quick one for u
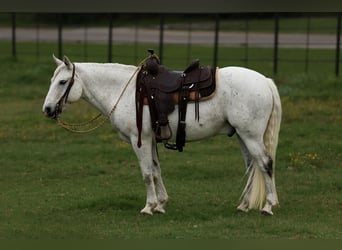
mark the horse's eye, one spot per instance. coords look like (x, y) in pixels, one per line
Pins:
(62, 82)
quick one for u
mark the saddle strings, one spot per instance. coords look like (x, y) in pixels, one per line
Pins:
(71, 126)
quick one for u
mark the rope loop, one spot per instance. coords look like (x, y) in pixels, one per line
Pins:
(71, 127)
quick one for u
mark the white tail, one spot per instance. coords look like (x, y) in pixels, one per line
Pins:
(256, 181)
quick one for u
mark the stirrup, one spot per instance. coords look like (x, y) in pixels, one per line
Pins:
(172, 146)
(159, 136)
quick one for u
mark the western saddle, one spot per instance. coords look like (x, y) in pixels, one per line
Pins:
(161, 89)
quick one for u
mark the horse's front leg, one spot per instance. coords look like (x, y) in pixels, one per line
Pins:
(158, 181)
(145, 158)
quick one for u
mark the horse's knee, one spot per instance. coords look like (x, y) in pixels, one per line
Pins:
(148, 179)
(255, 150)
(268, 166)
(265, 164)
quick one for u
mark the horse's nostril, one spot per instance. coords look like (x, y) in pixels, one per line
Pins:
(47, 111)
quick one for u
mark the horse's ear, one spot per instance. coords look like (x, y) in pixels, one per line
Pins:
(67, 62)
(57, 61)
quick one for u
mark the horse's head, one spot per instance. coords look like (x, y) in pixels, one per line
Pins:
(65, 88)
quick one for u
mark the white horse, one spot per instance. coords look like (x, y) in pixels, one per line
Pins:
(245, 102)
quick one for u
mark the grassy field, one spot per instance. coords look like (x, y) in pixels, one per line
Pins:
(65, 186)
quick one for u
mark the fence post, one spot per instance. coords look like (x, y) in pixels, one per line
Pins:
(110, 38)
(37, 40)
(338, 42)
(246, 40)
(85, 45)
(217, 30)
(188, 49)
(136, 36)
(307, 45)
(276, 42)
(161, 37)
(60, 27)
(14, 48)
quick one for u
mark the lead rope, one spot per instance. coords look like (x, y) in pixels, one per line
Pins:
(71, 126)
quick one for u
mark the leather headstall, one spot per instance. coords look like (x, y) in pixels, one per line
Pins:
(66, 93)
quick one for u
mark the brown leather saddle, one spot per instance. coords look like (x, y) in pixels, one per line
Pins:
(161, 89)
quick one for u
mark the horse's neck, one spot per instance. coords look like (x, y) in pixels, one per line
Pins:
(103, 83)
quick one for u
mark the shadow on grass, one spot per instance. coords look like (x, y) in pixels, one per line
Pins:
(104, 204)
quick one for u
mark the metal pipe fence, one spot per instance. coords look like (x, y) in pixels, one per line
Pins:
(278, 40)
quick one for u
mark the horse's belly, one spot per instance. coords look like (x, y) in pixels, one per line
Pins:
(201, 131)
(211, 122)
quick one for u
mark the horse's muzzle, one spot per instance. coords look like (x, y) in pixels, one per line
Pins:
(51, 112)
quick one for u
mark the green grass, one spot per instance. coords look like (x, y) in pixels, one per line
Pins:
(65, 186)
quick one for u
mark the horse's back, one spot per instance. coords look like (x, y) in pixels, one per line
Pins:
(243, 81)
(241, 75)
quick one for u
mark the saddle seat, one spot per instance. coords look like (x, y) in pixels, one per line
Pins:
(161, 89)
(169, 81)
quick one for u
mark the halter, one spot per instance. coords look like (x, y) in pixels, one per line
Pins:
(71, 83)
(66, 93)
(71, 127)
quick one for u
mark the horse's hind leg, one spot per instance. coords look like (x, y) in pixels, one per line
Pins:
(158, 181)
(264, 162)
(244, 205)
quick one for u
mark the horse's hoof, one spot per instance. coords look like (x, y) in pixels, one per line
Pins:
(242, 209)
(159, 210)
(266, 213)
(147, 211)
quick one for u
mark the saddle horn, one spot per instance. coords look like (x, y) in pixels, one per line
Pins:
(152, 63)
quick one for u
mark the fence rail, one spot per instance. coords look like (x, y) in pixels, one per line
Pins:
(307, 33)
